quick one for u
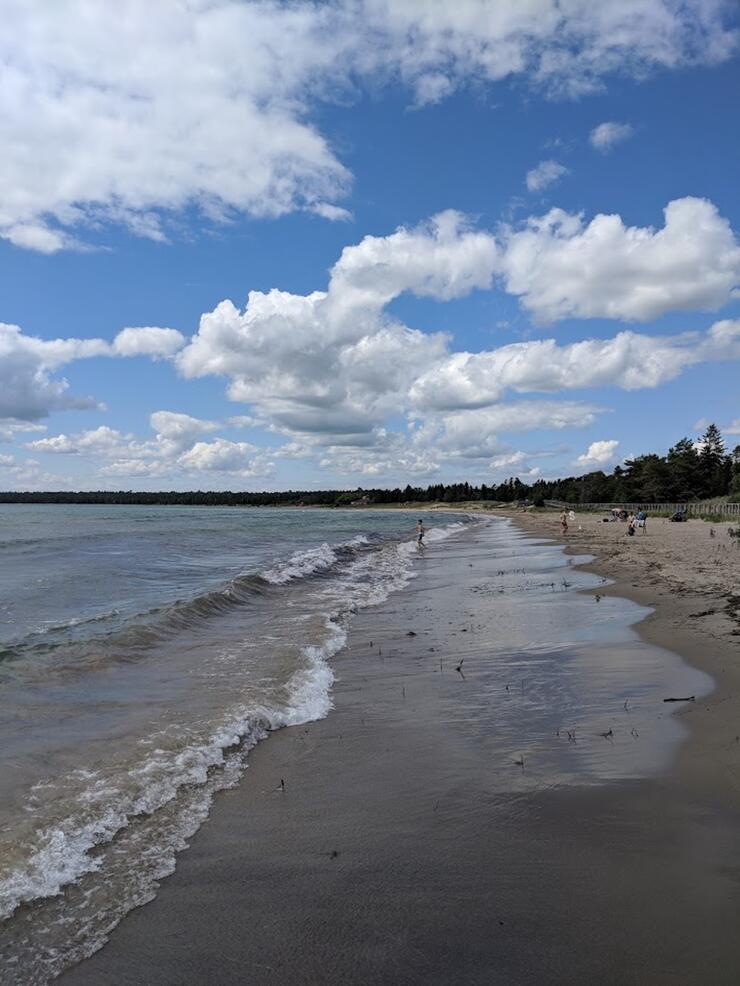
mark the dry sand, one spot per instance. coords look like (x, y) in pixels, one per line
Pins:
(393, 857)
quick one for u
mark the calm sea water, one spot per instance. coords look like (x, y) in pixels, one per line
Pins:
(143, 652)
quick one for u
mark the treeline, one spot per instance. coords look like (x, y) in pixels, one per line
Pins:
(686, 473)
(689, 471)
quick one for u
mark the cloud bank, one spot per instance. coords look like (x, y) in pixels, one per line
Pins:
(130, 113)
(177, 447)
(333, 376)
(29, 390)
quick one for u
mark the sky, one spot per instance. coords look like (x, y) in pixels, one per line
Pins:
(252, 245)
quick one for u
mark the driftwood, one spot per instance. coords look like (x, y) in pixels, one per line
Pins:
(689, 698)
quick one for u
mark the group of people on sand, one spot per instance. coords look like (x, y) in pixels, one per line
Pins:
(634, 520)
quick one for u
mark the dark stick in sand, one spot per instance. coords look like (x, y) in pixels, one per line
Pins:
(690, 698)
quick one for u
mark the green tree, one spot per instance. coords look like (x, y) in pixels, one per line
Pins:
(712, 462)
(684, 470)
(647, 478)
(734, 489)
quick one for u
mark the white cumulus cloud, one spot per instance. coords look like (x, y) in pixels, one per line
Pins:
(148, 341)
(179, 428)
(599, 454)
(96, 440)
(476, 434)
(134, 111)
(545, 174)
(333, 362)
(29, 388)
(628, 360)
(177, 449)
(609, 134)
(332, 368)
(560, 267)
(346, 383)
(220, 455)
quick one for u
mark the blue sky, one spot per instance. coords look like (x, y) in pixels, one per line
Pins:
(141, 198)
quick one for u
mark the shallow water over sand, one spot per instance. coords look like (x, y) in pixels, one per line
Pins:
(555, 685)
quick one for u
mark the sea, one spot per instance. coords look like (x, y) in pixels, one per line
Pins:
(144, 651)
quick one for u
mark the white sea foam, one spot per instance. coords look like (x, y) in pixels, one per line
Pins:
(373, 577)
(300, 564)
(104, 807)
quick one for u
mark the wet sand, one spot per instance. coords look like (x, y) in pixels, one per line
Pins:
(689, 574)
(407, 847)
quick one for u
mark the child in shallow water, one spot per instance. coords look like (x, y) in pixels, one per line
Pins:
(563, 522)
(420, 532)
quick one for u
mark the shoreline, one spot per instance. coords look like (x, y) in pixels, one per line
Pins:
(391, 856)
(693, 623)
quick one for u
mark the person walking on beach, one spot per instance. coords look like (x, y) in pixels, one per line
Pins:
(563, 522)
(420, 532)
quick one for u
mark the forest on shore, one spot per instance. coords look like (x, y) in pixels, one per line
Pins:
(689, 471)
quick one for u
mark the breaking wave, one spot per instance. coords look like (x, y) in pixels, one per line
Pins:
(123, 823)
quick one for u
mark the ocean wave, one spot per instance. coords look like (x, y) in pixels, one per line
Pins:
(70, 646)
(65, 851)
(364, 571)
(145, 629)
(300, 564)
(312, 560)
(76, 621)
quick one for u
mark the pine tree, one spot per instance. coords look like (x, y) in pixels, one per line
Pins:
(734, 489)
(712, 461)
(685, 470)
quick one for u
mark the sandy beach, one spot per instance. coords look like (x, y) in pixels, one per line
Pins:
(406, 848)
(690, 575)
